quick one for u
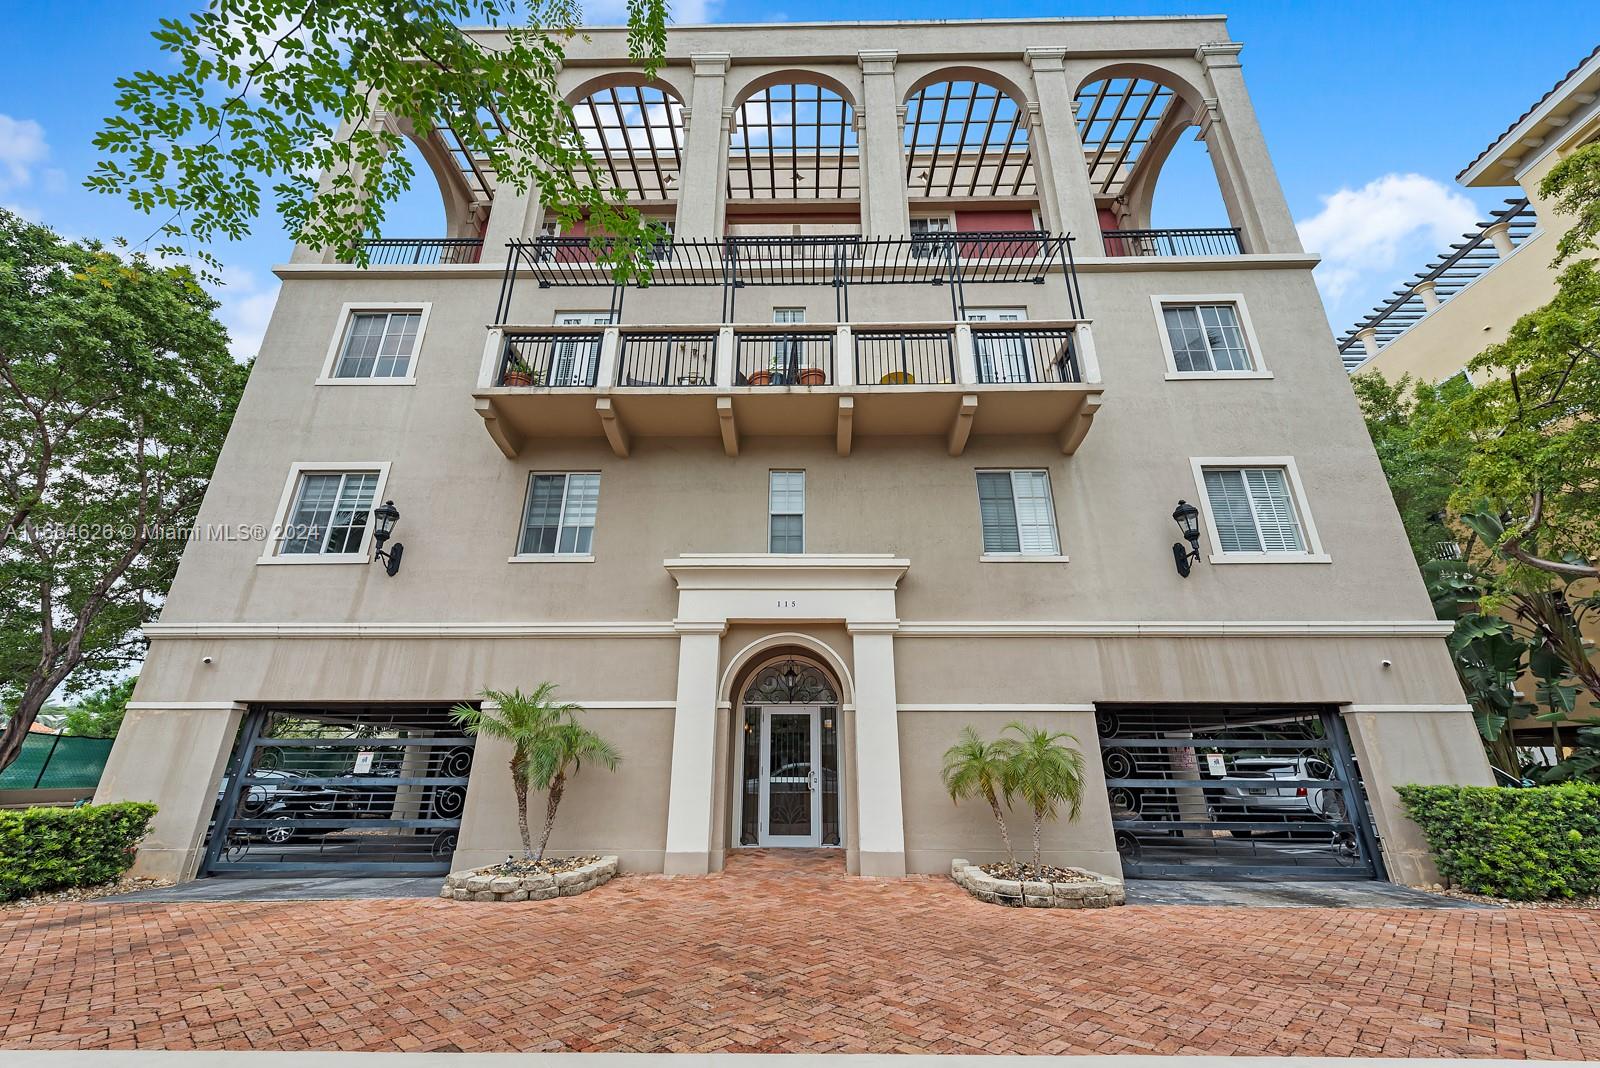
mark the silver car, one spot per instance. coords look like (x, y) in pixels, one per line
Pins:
(1251, 785)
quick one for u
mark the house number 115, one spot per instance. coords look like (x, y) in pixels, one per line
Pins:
(785, 604)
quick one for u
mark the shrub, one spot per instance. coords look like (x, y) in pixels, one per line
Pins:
(1527, 845)
(50, 848)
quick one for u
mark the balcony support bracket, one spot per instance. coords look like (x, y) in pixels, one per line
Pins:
(1077, 426)
(730, 429)
(611, 423)
(508, 439)
(961, 426)
(847, 416)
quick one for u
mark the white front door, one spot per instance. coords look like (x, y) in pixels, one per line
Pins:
(1000, 359)
(790, 794)
(577, 359)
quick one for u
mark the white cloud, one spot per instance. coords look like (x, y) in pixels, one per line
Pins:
(22, 145)
(246, 307)
(1373, 237)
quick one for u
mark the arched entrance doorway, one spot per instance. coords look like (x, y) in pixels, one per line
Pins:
(789, 766)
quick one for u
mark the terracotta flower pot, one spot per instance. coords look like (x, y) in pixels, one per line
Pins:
(760, 378)
(813, 376)
(517, 378)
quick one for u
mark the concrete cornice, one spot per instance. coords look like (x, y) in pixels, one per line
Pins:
(845, 571)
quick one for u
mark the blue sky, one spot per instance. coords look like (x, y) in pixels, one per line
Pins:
(1369, 109)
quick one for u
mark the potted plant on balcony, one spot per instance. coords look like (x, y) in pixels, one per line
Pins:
(548, 748)
(520, 374)
(813, 376)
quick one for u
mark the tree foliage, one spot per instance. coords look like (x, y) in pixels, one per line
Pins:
(116, 391)
(99, 714)
(289, 101)
(1421, 474)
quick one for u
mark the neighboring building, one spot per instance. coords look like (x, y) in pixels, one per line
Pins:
(878, 454)
(1468, 298)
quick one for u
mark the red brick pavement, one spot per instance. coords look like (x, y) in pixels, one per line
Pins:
(773, 957)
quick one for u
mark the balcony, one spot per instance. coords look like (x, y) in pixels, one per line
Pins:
(423, 251)
(1204, 241)
(949, 380)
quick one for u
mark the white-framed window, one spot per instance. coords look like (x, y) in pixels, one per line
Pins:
(1017, 514)
(786, 511)
(325, 513)
(1208, 337)
(1254, 509)
(558, 517)
(1000, 357)
(922, 225)
(376, 343)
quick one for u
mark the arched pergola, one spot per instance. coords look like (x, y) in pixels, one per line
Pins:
(633, 128)
(966, 135)
(794, 138)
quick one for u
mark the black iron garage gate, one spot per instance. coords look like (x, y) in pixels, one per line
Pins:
(1201, 791)
(357, 790)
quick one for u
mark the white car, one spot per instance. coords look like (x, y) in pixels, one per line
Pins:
(1251, 785)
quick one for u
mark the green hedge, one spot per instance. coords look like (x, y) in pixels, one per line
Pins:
(1524, 844)
(50, 848)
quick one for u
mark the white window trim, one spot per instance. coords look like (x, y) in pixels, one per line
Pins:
(348, 312)
(1161, 301)
(1019, 557)
(805, 499)
(280, 522)
(1313, 553)
(522, 523)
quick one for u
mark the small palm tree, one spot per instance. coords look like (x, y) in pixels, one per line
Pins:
(548, 747)
(1044, 773)
(976, 768)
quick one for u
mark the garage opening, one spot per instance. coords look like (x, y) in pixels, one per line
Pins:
(341, 791)
(1238, 792)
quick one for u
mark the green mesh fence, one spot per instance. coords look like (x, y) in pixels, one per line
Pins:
(57, 762)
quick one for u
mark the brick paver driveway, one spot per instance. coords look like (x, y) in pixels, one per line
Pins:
(763, 960)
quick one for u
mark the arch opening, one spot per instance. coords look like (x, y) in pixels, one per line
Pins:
(1141, 137)
(634, 131)
(794, 142)
(787, 715)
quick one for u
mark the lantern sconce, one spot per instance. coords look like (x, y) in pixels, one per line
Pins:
(1187, 516)
(384, 518)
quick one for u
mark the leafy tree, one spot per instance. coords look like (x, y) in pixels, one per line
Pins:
(116, 391)
(1421, 474)
(976, 768)
(1044, 773)
(99, 714)
(280, 92)
(548, 748)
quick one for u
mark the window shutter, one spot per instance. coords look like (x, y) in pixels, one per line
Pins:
(1036, 526)
(1230, 510)
(1269, 492)
(998, 512)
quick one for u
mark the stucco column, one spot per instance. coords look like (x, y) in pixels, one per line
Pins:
(1233, 136)
(700, 198)
(173, 755)
(1063, 172)
(882, 838)
(1369, 340)
(1429, 292)
(1499, 234)
(514, 217)
(694, 748)
(1426, 747)
(884, 211)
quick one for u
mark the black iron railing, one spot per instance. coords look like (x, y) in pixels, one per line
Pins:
(668, 359)
(905, 357)
(423, 251)
(1205, 241)
(550, 359)
(787, 359)
(1032, 354)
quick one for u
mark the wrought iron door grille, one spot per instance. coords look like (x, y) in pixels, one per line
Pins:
(1234, 792)
(363, 791)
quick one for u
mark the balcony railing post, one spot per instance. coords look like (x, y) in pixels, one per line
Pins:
(844, 356)
(610, 345)
(723, 372)
(1088, 360)
(489, 368)
(966, 356)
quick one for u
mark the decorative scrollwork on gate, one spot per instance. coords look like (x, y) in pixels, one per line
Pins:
(792, 682)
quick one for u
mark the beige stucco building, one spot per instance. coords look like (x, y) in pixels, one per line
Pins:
(877, 455)
(1469, 298)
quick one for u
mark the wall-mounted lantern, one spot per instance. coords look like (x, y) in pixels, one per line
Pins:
(384, 518)
(1187, 516)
